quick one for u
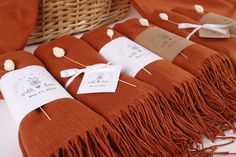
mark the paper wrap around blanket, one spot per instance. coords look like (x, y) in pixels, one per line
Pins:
(213, 69)
(162, 42)
(180, 88)
(74, 129)
(129, 54)
(140, 113)
(180, 15)
(29, 88)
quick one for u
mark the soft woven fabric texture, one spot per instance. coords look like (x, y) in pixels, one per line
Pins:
(17, 21)
(74, 129)
(233, 2)
(141, 114)
(223, 7)
(181, 89)
(183, 15)
(208, 65)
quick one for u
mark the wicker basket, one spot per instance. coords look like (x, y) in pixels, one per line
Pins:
(59, 17)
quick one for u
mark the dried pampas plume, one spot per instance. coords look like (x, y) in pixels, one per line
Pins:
(199, 8)
(110, 33)
(58, 52)
(144, 22)
(9, 65)
(164, 16)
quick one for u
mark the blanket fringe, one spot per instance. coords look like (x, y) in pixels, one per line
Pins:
(192, 94)
(150, 127)
(143, 129)
(188, 102)
(210, 114)
(211, 151)
(218, 72)
(148, 131)
(96, 143)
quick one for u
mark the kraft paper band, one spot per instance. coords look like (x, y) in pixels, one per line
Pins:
(162, 42)
(214, 18)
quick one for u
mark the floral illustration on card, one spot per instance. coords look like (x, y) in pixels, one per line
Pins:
(34, 81)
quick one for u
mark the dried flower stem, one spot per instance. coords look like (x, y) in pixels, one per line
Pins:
(147, 71)
(45, 113)
(74, 61)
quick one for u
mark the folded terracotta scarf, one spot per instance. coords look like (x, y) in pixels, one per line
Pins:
(141, 114)
(224, 45)
(74, 129)
(233, 2)
(183, 91)
(17, 20)
(223, 7)
(212, 67)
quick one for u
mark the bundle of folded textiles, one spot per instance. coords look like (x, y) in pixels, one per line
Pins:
(153, 86)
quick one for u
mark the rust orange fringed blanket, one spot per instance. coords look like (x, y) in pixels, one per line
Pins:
(137, 110)
(222, 45)
(223, 7)
(233, 2)
(74, 129)
(17, 21)
(213, 68)
(183, 91)
(151, 8)
(222, 78)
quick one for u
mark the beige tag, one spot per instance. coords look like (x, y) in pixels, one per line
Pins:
(162, 42)
(205, 33)
(212, 18)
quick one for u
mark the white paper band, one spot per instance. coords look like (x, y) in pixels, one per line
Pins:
(29, 88)
(130, 55)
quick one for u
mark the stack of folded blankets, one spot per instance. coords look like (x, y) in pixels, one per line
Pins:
(175, 86)
(209, 66)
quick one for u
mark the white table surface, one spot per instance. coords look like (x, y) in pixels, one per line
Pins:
(8, 131)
